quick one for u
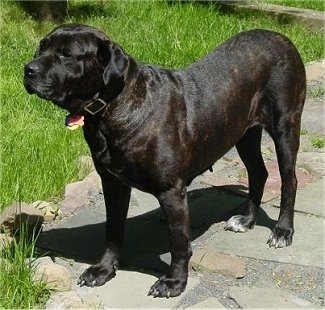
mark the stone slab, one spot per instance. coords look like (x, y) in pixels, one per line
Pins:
(273, 183)
(206, 259)
(146, 244)
(129, 289)
(307, 248)
(267, 297)
(146, 239)
(312, 162)
(144, 203)
(66, 300)
(311, 199)
(311, 18)
(208, 303)
(310, 116)
(315, 69)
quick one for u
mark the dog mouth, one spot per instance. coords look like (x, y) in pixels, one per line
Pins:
(48, 95)
(64, 99)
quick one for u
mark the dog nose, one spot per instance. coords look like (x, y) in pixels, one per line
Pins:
(31, 69)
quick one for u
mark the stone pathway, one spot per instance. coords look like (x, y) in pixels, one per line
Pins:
(228, 270)
(310, 18)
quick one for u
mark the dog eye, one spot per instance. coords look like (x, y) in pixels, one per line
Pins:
(64, 54)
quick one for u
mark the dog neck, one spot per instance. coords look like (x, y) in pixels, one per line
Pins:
(95, 106)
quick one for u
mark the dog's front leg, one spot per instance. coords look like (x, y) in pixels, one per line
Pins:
(174, 206)
(117, 197)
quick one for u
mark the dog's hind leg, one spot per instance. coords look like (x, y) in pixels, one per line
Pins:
(285, 95)
(286, 135)
(249, 150)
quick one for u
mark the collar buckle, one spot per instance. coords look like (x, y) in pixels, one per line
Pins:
(95, 106)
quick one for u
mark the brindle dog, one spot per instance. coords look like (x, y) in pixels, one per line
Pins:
(157, 129)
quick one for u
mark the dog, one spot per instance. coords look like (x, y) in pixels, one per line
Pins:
(156, 129)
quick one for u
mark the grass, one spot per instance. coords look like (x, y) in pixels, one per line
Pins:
(38, 153)
(317, 92)
(17, 289)
(318, 141)
(317, 5)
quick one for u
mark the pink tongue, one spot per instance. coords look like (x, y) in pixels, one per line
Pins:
(74, 121)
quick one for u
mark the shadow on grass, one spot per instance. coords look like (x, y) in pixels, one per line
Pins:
(89, 9)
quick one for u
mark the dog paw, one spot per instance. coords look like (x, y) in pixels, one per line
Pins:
(166, 287)
(280, 237)
(96, 275)
(240, 223)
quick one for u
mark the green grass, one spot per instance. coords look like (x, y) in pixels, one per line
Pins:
(38, 152)
(317, 92)
(302, 4)
(17, 289)
(318, 141)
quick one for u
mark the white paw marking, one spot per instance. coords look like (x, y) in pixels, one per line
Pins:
(235, 224)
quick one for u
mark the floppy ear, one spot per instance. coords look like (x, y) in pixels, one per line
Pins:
(114, 61)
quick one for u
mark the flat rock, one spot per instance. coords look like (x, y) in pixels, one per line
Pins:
(67, 300)
(5, 240)
(16, 215)
(310, 116)
(129, 289)
(273, 183)
(72, 204)
(82, 189)
(307, 248)
(57, 277)
(210, 260)
(146, 237)
(41, 261)
(312, 162)
(310, 199)
(208, 303)
(315, 69)
(94, 178)
(141, 203)
(311, 18)
(262, 297)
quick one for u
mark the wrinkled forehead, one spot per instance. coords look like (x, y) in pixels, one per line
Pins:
(77, 40)
(75, 43)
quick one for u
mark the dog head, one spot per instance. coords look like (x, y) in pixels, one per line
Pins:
(73, 64)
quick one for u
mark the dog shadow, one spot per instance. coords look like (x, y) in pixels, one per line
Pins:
(146, 236)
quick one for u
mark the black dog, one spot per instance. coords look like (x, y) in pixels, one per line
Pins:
(157, 129)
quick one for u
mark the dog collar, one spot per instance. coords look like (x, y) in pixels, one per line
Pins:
(95, 106)
(74, 121)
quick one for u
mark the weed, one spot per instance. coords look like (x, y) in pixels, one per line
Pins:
(197, 266)
(17, 288)
(317, 92)
(318, 141)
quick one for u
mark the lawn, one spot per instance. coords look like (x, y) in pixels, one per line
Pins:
(38, 153)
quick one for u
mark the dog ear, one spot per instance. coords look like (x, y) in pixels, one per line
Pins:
(114, 61)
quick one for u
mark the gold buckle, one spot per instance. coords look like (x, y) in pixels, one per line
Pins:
(94, 104)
